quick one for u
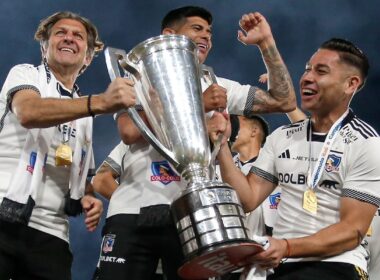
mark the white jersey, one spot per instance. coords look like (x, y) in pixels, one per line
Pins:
(48, 214)
(146, 179)
(239, 97)
(374, 247)
(352, 170)
(115, 158)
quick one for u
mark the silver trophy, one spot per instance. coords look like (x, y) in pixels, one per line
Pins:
(208, 214)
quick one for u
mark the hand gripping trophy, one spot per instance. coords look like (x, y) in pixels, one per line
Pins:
(208, 215)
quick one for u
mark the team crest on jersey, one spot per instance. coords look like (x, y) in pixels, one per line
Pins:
(274, 200)
(32, 162)
(108, 242)
(332, 163)
(163, 172)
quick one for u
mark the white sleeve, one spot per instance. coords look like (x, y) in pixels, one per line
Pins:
(115, 158)
(362, 175)
(265, 165)
(22, 76)
(239, 97)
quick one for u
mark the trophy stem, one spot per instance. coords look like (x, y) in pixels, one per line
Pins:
(195, 173)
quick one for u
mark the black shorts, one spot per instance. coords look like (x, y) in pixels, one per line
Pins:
(30, 254)
(318, 271)
(132, 246)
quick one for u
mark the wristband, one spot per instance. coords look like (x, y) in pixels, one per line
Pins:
(90, 112)
(287, 248)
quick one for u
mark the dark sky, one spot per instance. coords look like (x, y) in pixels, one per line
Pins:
(299, 27)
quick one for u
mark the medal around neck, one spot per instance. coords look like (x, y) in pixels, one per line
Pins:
(63, 155)
(310, 201)
(208, 214)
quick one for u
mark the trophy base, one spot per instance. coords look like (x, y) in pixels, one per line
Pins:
(219, 261)
(212, 229)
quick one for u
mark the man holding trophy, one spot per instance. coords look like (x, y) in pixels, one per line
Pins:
(139, 228)
(46, 149)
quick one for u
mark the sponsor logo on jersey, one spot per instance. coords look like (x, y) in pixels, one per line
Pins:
(108, 242)
(332, 163)
(112, 259)
(294, 128)
(329, 184)
(163, 173)
(274, 200)
(32, 162)
(285, 154)
(302, 158)
(348, 135)
(67, 131)
(298, 179)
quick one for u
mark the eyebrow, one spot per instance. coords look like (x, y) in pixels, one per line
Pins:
(319, 65)
(208, 29)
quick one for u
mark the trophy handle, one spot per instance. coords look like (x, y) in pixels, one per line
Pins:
(114, 59)
(208, 71)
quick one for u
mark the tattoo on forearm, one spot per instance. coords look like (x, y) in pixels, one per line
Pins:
(280, 83)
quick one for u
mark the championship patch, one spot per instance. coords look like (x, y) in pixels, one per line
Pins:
(108, 242)
(332, 163)
(163, 173)
(32, 162)
(274, 200)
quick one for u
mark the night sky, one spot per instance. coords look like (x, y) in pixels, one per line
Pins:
(299, 27)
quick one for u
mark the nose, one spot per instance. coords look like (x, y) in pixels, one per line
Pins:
(68, 37)
(307, 77)
(206, 35)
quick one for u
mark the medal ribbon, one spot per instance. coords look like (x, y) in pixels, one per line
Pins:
(318, 170)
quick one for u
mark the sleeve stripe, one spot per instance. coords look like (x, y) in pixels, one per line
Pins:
(263, 174)
(361, 196)
(250, 100)
(12, 91)
(114, 165)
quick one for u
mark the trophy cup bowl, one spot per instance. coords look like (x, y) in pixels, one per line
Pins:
(208, 215)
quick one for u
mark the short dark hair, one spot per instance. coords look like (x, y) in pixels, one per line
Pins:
(256, 119)
(261, 122)
(44, 30)
(179, 15)
(349, 53)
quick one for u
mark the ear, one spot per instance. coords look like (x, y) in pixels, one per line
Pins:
(353, 84)
(254, 131)
(88, 59)
(168, 31)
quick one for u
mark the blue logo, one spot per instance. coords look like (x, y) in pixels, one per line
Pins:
(163, 172)
(32, 162)
(274, 200)
(332, 163)
(81, 164)
(108, 242)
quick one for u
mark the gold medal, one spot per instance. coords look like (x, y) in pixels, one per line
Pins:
(310, 202)
(369, 232)
(63, 155)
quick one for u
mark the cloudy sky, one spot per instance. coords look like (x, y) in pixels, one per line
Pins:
(299, 26)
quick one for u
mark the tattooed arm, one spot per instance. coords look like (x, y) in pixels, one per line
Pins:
(280, 96)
